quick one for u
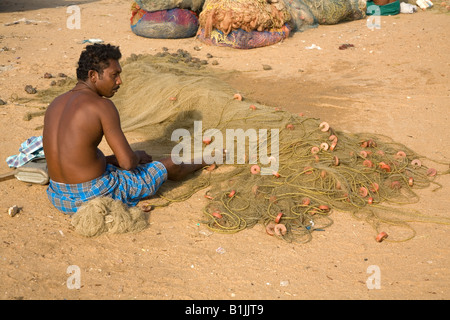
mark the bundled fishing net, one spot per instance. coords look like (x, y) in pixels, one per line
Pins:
(285, 171)
(156, 5)
(173, 23)
(302, 169)
(233, 22)
(105, 215)
(335, 11)
(301, 16)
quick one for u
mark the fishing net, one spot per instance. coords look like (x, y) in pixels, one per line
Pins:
(156, 5)
(301, 16)
(164, 24)
(105, 215)
(283, 170)
(294, 171)
(335, 11)
(219, 18)
(240, 39)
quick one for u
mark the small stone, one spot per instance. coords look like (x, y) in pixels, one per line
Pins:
(284, 283)
(215, 62)
(209, 55)
(48, 75)
(12, 211)
(2, 103)
(266, 67)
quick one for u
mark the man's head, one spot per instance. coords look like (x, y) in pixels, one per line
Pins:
(99, 65)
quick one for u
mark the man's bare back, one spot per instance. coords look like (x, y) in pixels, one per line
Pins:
(72, 134)
(75, 124)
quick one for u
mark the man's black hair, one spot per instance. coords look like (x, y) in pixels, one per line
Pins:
(96, 57)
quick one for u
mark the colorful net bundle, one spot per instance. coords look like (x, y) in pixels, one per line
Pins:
(173, 23)
(156, 5)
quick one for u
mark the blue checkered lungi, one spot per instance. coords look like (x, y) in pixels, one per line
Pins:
(127, 186)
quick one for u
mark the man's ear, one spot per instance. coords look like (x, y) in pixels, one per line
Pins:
(93, 76)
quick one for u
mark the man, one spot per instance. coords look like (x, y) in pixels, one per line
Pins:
(74, 126)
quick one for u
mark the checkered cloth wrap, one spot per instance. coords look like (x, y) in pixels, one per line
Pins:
(127, 186)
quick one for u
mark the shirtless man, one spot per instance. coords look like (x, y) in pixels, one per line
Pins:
(74, 126)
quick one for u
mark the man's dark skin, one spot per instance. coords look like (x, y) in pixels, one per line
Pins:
(75, 124)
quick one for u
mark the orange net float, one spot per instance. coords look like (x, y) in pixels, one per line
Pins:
(374, 187)
(207, 140)
(384, 166)
(324, 146)
(306, 201)
(255, 169)
(363, 192)
(367, 163)
(324, 126)
(400, 155)
(315, 150)
(381, 236)
(217, 215)
(280, 229)
(431, 172)
(232, 193)
(278, 218)
(270, 228)
(237, 96)
(416, 163)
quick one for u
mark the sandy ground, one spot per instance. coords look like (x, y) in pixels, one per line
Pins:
(395, 81)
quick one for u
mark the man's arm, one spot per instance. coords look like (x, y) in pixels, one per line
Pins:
(142, 156)
(123, 156)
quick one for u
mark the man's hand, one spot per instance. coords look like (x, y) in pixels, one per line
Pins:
(143, 157)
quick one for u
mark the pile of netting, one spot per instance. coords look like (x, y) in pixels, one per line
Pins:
(246, 24)
(336, 11)
(243, 24)
(288, 173)
(165, 19)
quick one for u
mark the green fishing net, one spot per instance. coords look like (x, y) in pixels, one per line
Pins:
(294, 171)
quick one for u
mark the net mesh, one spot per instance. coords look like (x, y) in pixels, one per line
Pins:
(316, 170)
(248, 15)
